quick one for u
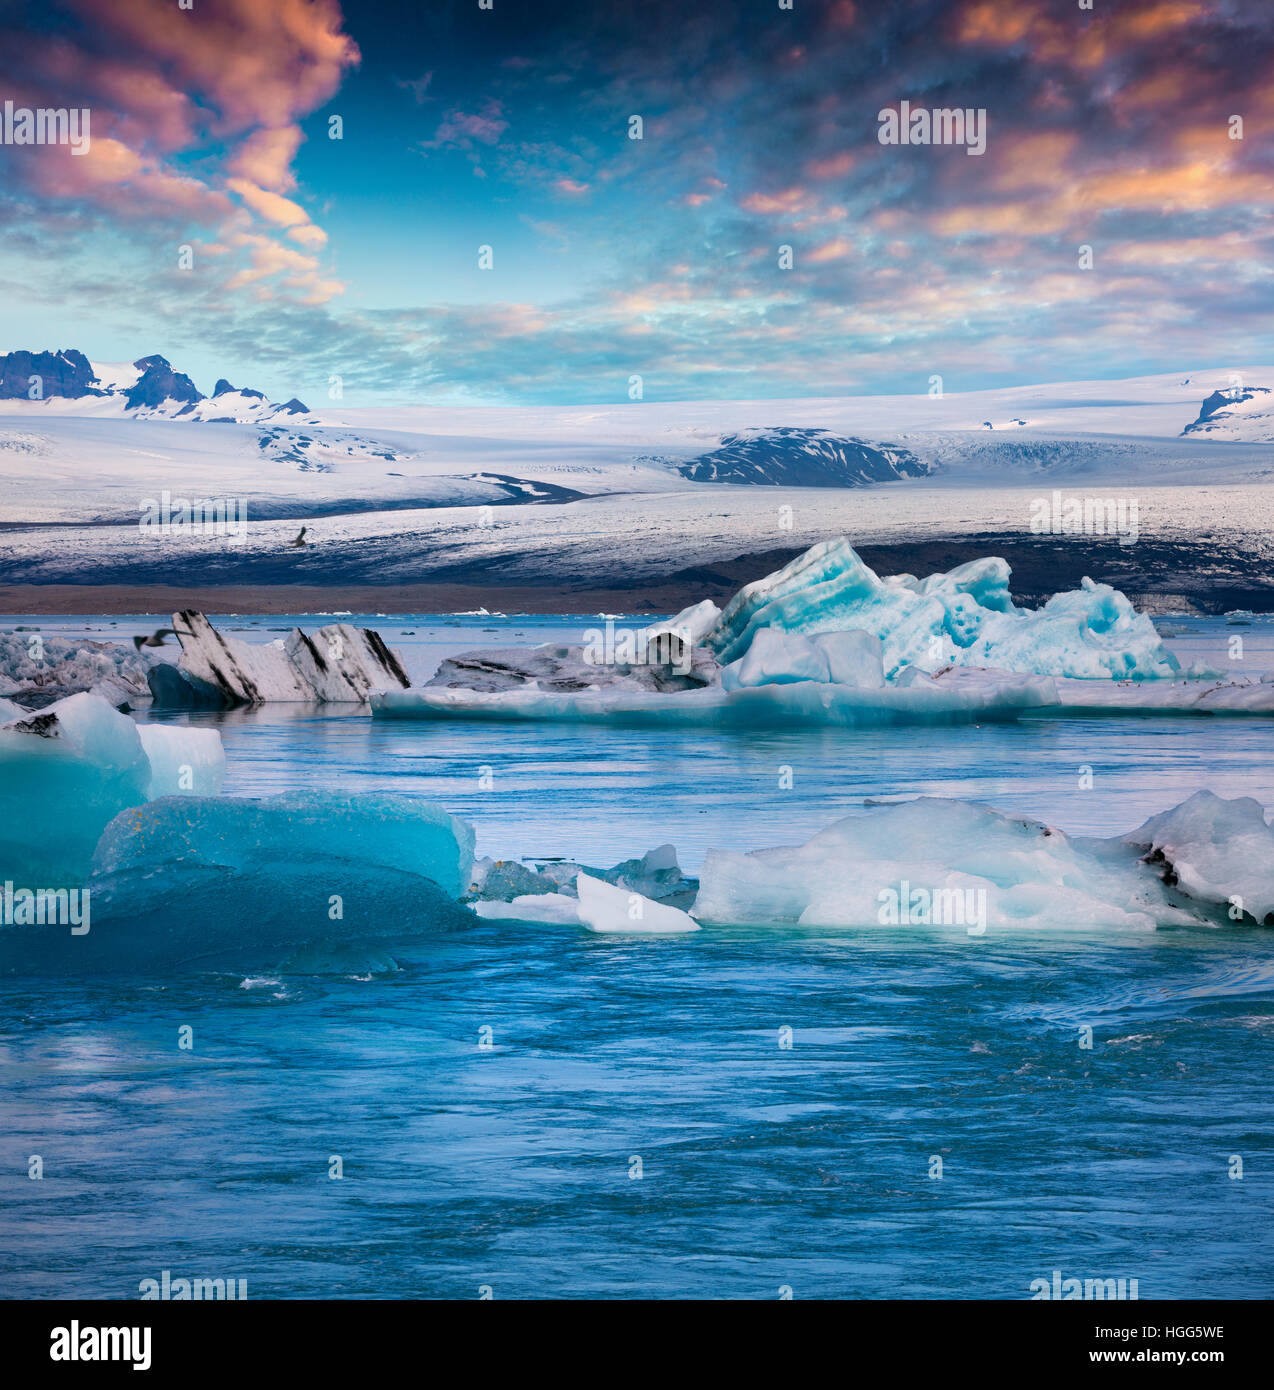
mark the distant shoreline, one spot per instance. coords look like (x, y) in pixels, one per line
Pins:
(1158, 577)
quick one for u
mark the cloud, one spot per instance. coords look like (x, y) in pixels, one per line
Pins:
(265, 158)
(463, 130)
(187, 109)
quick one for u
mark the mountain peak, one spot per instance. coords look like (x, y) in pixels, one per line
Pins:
(150, 387)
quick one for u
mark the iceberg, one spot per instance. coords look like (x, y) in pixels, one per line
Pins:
(182, 760)
(962, 617)
(200, 882)
(941, 863)
(656, 874)
(341, 663)
(68, 769)
(551, 909)
(599, 906)
(606, 908)
(1215, 851)
(1239, 695)
(854, 658)
(65, 771)
(37, 670)
(826, 641)
(562, 668)
(917, 699)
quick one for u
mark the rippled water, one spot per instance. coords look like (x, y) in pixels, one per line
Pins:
(762, 1165)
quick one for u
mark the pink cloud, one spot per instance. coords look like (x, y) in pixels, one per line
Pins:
(163, 83)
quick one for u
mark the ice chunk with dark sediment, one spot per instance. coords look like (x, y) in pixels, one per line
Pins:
(340, 663)
(655, 874)
(38, 669)
(597, 905)
(661, 663)
(1215, 851)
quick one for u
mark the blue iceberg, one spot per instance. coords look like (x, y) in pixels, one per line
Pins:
(202, 882)
(963, 617)
(67, 770)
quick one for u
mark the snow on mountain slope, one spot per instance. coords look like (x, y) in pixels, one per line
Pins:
(1243, 414)
(1151, 406)
(84, 469)
(88, 458)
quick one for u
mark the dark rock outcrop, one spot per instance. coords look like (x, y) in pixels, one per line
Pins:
(66, 372)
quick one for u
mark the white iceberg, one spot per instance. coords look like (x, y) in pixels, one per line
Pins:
(1215, 851)
(552, 909)
(947, 864)
(963, 617)
(606, 908)
(183, 761)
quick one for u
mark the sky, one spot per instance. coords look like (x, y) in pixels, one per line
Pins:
(312, 258)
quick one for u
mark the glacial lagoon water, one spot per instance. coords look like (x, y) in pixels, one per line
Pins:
(540, 1112)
